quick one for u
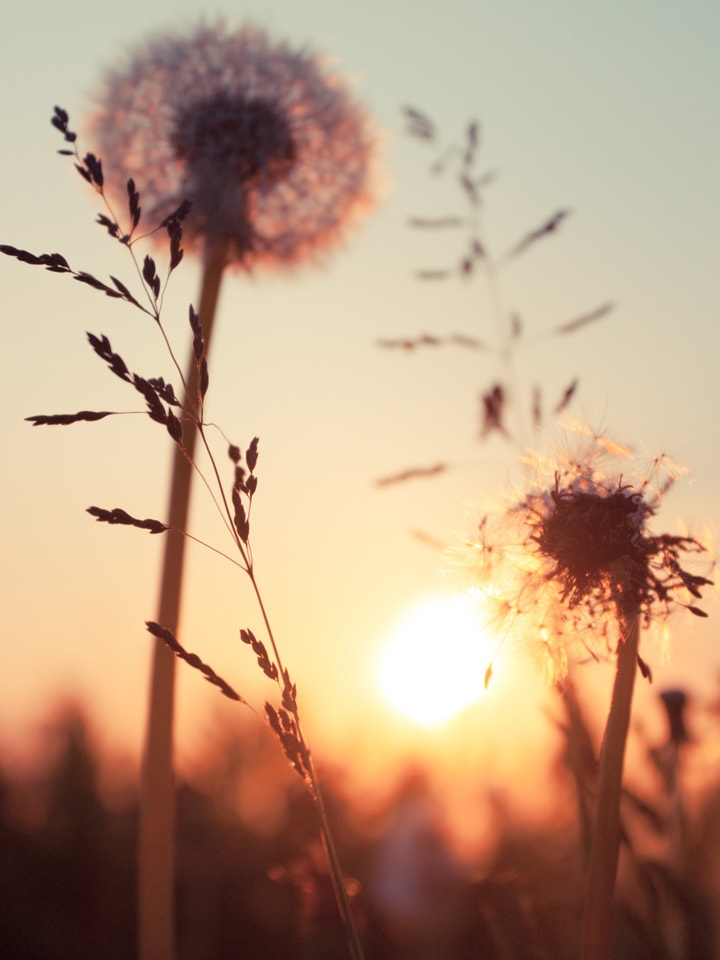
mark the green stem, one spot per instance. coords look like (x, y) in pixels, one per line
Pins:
(156, 853)
(605, 846)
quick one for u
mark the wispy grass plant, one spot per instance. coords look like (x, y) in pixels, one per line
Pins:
(501, 332)
(258, 156)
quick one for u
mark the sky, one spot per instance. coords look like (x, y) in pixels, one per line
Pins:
(608, 111)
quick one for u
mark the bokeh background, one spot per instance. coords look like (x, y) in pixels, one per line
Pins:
(607, 110)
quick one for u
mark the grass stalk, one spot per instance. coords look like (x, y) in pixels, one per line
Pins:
(340, 889)
(342, 898)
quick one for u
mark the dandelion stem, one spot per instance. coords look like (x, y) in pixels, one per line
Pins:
(156, 860)
(605, 844)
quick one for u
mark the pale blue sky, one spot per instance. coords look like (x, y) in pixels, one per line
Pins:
(611, 110)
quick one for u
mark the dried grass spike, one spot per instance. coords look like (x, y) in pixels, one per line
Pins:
(64, 419)
(194, 660)
(119, 516)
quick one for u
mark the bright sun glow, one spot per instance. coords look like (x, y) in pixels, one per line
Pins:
(434, 662)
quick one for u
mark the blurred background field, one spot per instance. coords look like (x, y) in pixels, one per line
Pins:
(251, 880)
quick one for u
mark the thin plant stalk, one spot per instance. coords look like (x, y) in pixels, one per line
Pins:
(341, 894)
(333, 860)
(605, 845)
(157, 802)
(156, 854)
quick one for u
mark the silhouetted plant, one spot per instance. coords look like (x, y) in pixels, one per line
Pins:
(236, 236)
(274, 155)
(574, 566)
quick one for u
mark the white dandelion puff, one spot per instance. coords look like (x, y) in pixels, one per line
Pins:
(270, 147)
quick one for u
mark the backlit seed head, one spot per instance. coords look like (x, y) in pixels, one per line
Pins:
(269, 146)
(573, 558)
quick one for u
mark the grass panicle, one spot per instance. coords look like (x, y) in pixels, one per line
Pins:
(498, 412)
(184, 421)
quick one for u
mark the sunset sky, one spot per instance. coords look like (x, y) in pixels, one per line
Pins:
(609, 111)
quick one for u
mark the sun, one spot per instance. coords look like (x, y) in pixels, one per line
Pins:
(434, 661)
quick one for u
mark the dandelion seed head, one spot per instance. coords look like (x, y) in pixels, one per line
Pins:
(275, 155)
(572, 557)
